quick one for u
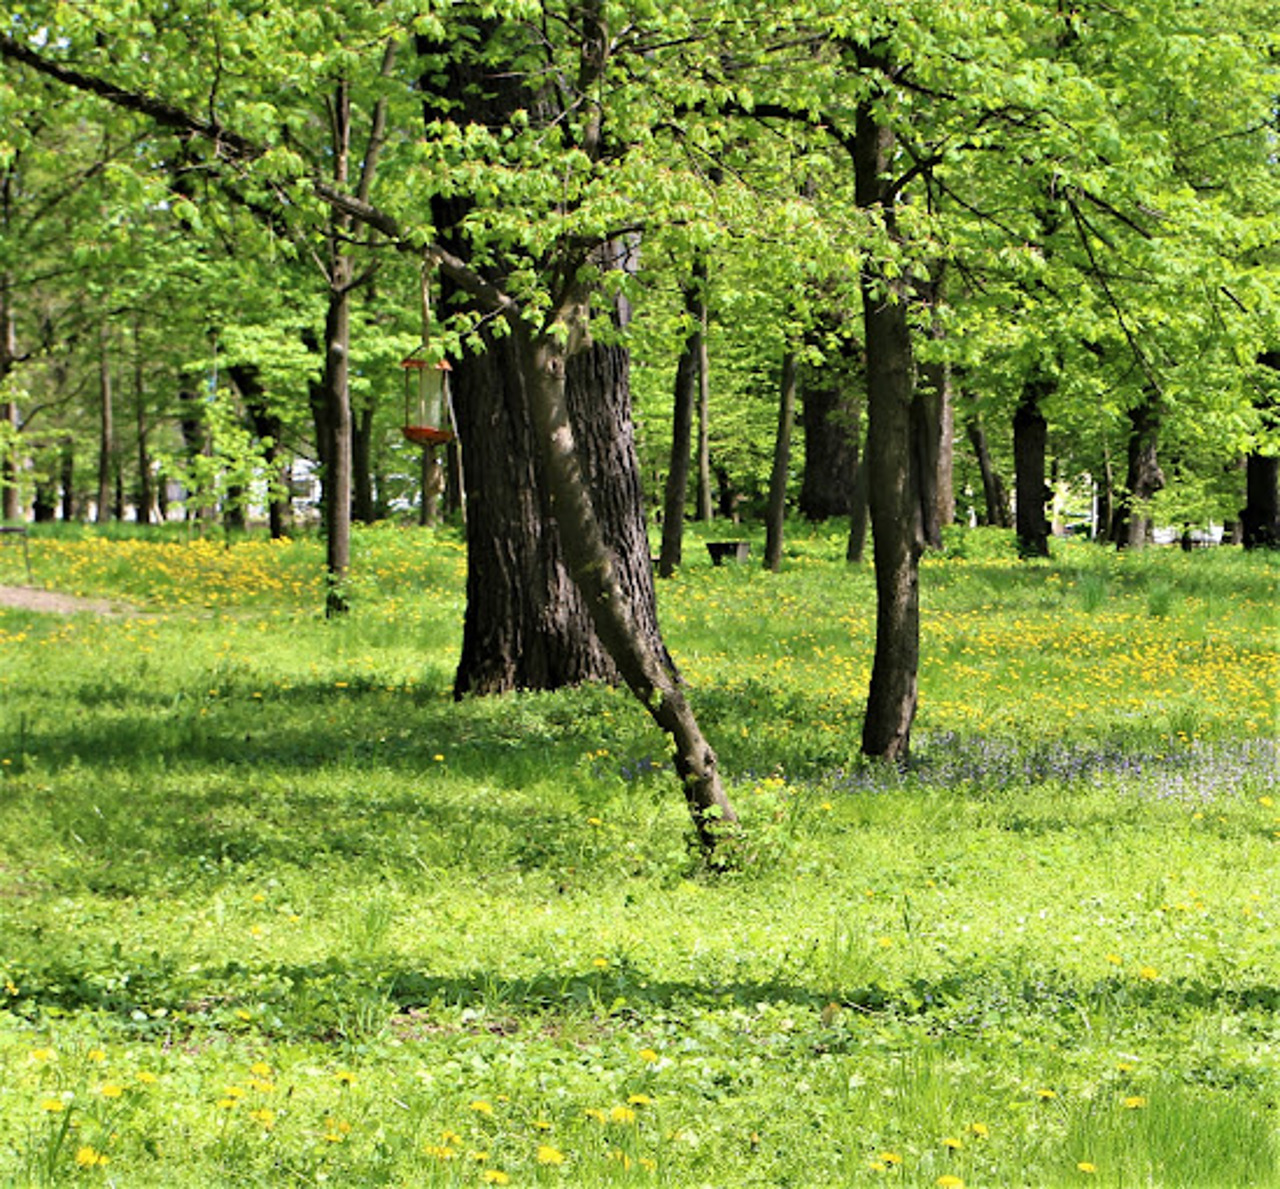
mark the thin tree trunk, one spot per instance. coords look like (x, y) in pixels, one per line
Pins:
(67, 474)
(994, 499)
(857, 543)
(893, 483)
(146, 496)
(648, 671)
(361, 466)
(703, 501)
(682, 408)
(775, 517)
(106, 431)
(11, 506)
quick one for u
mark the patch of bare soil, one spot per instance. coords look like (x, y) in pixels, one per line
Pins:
(52, 602)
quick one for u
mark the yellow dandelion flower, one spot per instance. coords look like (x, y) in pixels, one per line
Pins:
(1124, 1066)
(549, 1155)
(947, 1181)
(952, 1143)
(345, 1077)
(481, 1107)
(264, 1115)
(111, 1090)
(1150, 973)
(639, 1100)
(981, 1130)
(96, 1055)
(595, 821)
(1115, 959)
(42, 1055)
(891, 1158)
(53, 1106)
(594, 1112)
(146, 1077)
(478, 1157)
(261, 1085)
(450, 1137)
(495, 1176)
(1046, 1095)
(648, 1056)
(87, 1157)
(260, 1069)
(600, 963)
(877, 1166)
(622, 1114)
(1085, 1166)
(541, 1125)
(1134, 1102)
(648, 1164)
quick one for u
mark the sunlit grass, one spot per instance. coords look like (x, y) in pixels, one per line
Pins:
(275, 909)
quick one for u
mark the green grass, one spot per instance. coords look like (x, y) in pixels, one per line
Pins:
(274, 910)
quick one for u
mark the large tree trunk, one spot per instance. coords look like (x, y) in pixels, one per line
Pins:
(893, 483)
(775, 516)
(337, 472)
(683, 402)
(525, 625)
(1030, 443)
(1132, 528)
(619, 620)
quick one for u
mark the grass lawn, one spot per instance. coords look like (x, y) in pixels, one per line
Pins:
(274, 910)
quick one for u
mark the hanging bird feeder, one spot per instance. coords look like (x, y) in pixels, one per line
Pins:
(426, 384)
(426, 401)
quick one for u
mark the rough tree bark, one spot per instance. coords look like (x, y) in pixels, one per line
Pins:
(893, 485)
(775, 515)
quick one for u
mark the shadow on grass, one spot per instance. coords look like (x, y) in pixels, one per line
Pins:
(350, 1000)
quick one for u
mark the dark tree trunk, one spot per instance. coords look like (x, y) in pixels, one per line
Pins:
(526, 626)
(775, 516)
(1260, 517)
(337, 471)
(268, 428)
(10, 505)
(146, 495)
(1259, 524)
(684, 400)
(44, 508)
(68, 480)
(362, 510)
(829, 417)
(702, 499)
(106, 431)
(1030, 442)
(1132, 528)
(994, 498)
(856, 546)
(935, 424)
(893, 482)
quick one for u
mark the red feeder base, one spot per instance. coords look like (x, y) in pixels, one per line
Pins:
(426, 435)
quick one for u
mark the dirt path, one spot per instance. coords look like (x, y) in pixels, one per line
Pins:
(31, 598)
